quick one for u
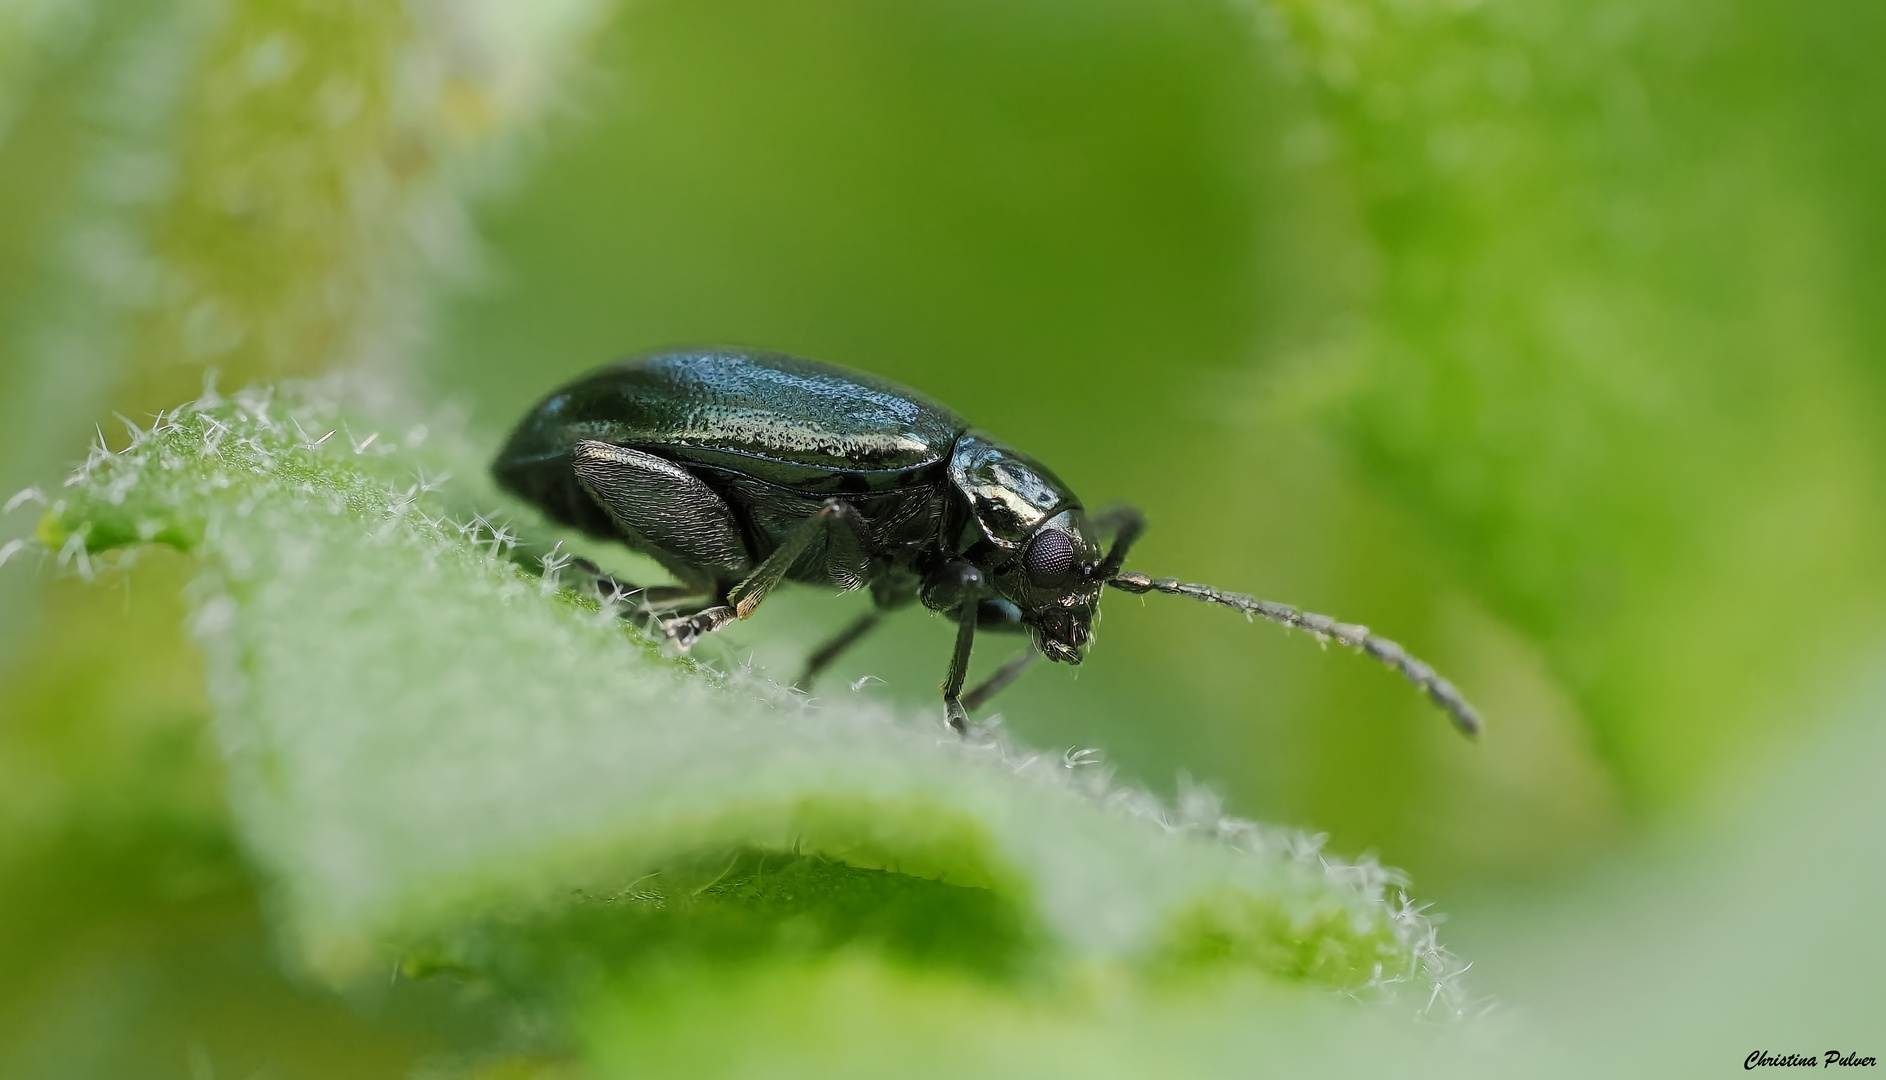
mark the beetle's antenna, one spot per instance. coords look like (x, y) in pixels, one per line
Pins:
(1438, 689)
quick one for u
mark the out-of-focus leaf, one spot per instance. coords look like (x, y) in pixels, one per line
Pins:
(1600, 351)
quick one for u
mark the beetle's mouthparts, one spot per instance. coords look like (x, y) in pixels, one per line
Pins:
(1060, 652)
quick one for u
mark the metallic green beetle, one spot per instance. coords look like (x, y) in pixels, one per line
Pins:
(738, 470)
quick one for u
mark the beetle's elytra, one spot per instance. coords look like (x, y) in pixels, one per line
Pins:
(737, 470)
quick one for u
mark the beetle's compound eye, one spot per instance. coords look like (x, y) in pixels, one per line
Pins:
(1050, 559)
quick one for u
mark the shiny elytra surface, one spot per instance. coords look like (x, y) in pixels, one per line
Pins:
(790, 419)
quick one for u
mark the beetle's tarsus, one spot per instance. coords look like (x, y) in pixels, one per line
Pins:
(956, 716)
(1438, 689)
(686, 631)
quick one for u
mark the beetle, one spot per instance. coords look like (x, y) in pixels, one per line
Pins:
(737, 470)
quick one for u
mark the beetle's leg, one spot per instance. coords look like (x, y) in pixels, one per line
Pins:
(744, 598)
(957, 580)
(1114, 517)
(953, 711)
(664, 510)
(836, 513)
(661, 605)
(1126, 524)
(999, 681)
(689, 629)
(822, 658)
(641, 603)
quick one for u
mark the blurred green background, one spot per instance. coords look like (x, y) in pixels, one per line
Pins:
(1534, 335)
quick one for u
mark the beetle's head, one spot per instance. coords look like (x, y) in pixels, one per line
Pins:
(1027, 531)
(1051, 581)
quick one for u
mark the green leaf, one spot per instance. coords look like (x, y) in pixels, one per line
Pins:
(438, 756)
